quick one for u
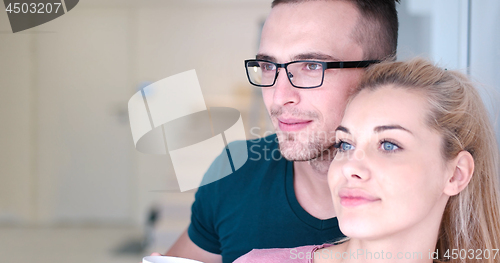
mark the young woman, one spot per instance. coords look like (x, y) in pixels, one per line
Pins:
(416, 175)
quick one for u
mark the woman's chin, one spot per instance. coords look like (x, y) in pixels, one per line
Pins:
(360, 229)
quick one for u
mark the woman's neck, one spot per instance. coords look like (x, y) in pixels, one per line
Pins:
(389, 250)
(415, 245)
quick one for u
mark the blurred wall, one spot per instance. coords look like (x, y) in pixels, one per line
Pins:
(456, 34)
(17, 182)
(66, 151)
(437, 30)
(485, 54)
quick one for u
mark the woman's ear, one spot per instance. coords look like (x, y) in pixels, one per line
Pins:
(463, 168)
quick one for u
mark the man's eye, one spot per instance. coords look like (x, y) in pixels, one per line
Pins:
(313, 66)
(268, 67)
(389, 146)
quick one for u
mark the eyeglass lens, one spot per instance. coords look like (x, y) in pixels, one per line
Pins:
(300, 74)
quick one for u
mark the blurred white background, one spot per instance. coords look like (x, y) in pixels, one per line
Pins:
(72, 185)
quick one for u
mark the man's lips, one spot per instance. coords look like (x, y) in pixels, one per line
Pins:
(355, 197)
(292, 124)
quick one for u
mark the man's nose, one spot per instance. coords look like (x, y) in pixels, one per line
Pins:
(284, 92)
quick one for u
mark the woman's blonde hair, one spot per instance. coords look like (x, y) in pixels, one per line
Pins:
(471, 218)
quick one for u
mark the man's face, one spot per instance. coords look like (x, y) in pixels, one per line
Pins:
(305, 119)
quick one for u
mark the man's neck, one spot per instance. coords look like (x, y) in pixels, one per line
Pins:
(311, 188)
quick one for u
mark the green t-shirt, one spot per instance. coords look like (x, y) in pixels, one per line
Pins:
(255, 207)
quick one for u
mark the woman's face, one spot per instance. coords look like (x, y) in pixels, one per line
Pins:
(388, 176)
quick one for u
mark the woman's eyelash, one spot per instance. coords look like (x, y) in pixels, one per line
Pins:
(339, 145)
(386, 145)
(391, 143)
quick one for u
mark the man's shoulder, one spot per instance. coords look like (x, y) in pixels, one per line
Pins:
(263, 162)
(263, 154)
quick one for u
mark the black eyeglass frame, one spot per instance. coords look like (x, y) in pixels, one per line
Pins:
(325, 66)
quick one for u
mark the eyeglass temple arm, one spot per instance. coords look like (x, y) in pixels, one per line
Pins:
(351, 64)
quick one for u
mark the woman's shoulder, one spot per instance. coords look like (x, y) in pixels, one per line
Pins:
(295, 255)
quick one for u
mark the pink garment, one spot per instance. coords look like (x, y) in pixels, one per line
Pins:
(303, 254)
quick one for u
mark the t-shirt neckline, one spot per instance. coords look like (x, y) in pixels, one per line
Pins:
(297, 209)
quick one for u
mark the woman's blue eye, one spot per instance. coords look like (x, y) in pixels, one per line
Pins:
(388, 146)
(344, 146)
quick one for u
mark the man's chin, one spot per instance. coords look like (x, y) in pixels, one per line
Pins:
(295, 151)
(300, 152)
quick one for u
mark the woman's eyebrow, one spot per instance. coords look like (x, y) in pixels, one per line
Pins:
(342, 128)
(390, 127)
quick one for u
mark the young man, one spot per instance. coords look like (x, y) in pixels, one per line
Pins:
(285, 202)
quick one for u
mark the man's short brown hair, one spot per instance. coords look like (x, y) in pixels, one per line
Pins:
(376, 30)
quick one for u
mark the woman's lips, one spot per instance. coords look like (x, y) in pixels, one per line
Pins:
(290, 125)
(355, 197)
(354, 201)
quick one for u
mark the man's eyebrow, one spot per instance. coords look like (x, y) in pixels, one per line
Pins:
(342, 128)
(390, 127)
(314, 56)
(303, 56)
(265, 57)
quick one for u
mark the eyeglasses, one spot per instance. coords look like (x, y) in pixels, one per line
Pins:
(303, 74)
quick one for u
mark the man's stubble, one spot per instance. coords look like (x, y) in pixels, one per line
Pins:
(309, 145)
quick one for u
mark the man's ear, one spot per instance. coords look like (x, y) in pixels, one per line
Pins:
(462, 168)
